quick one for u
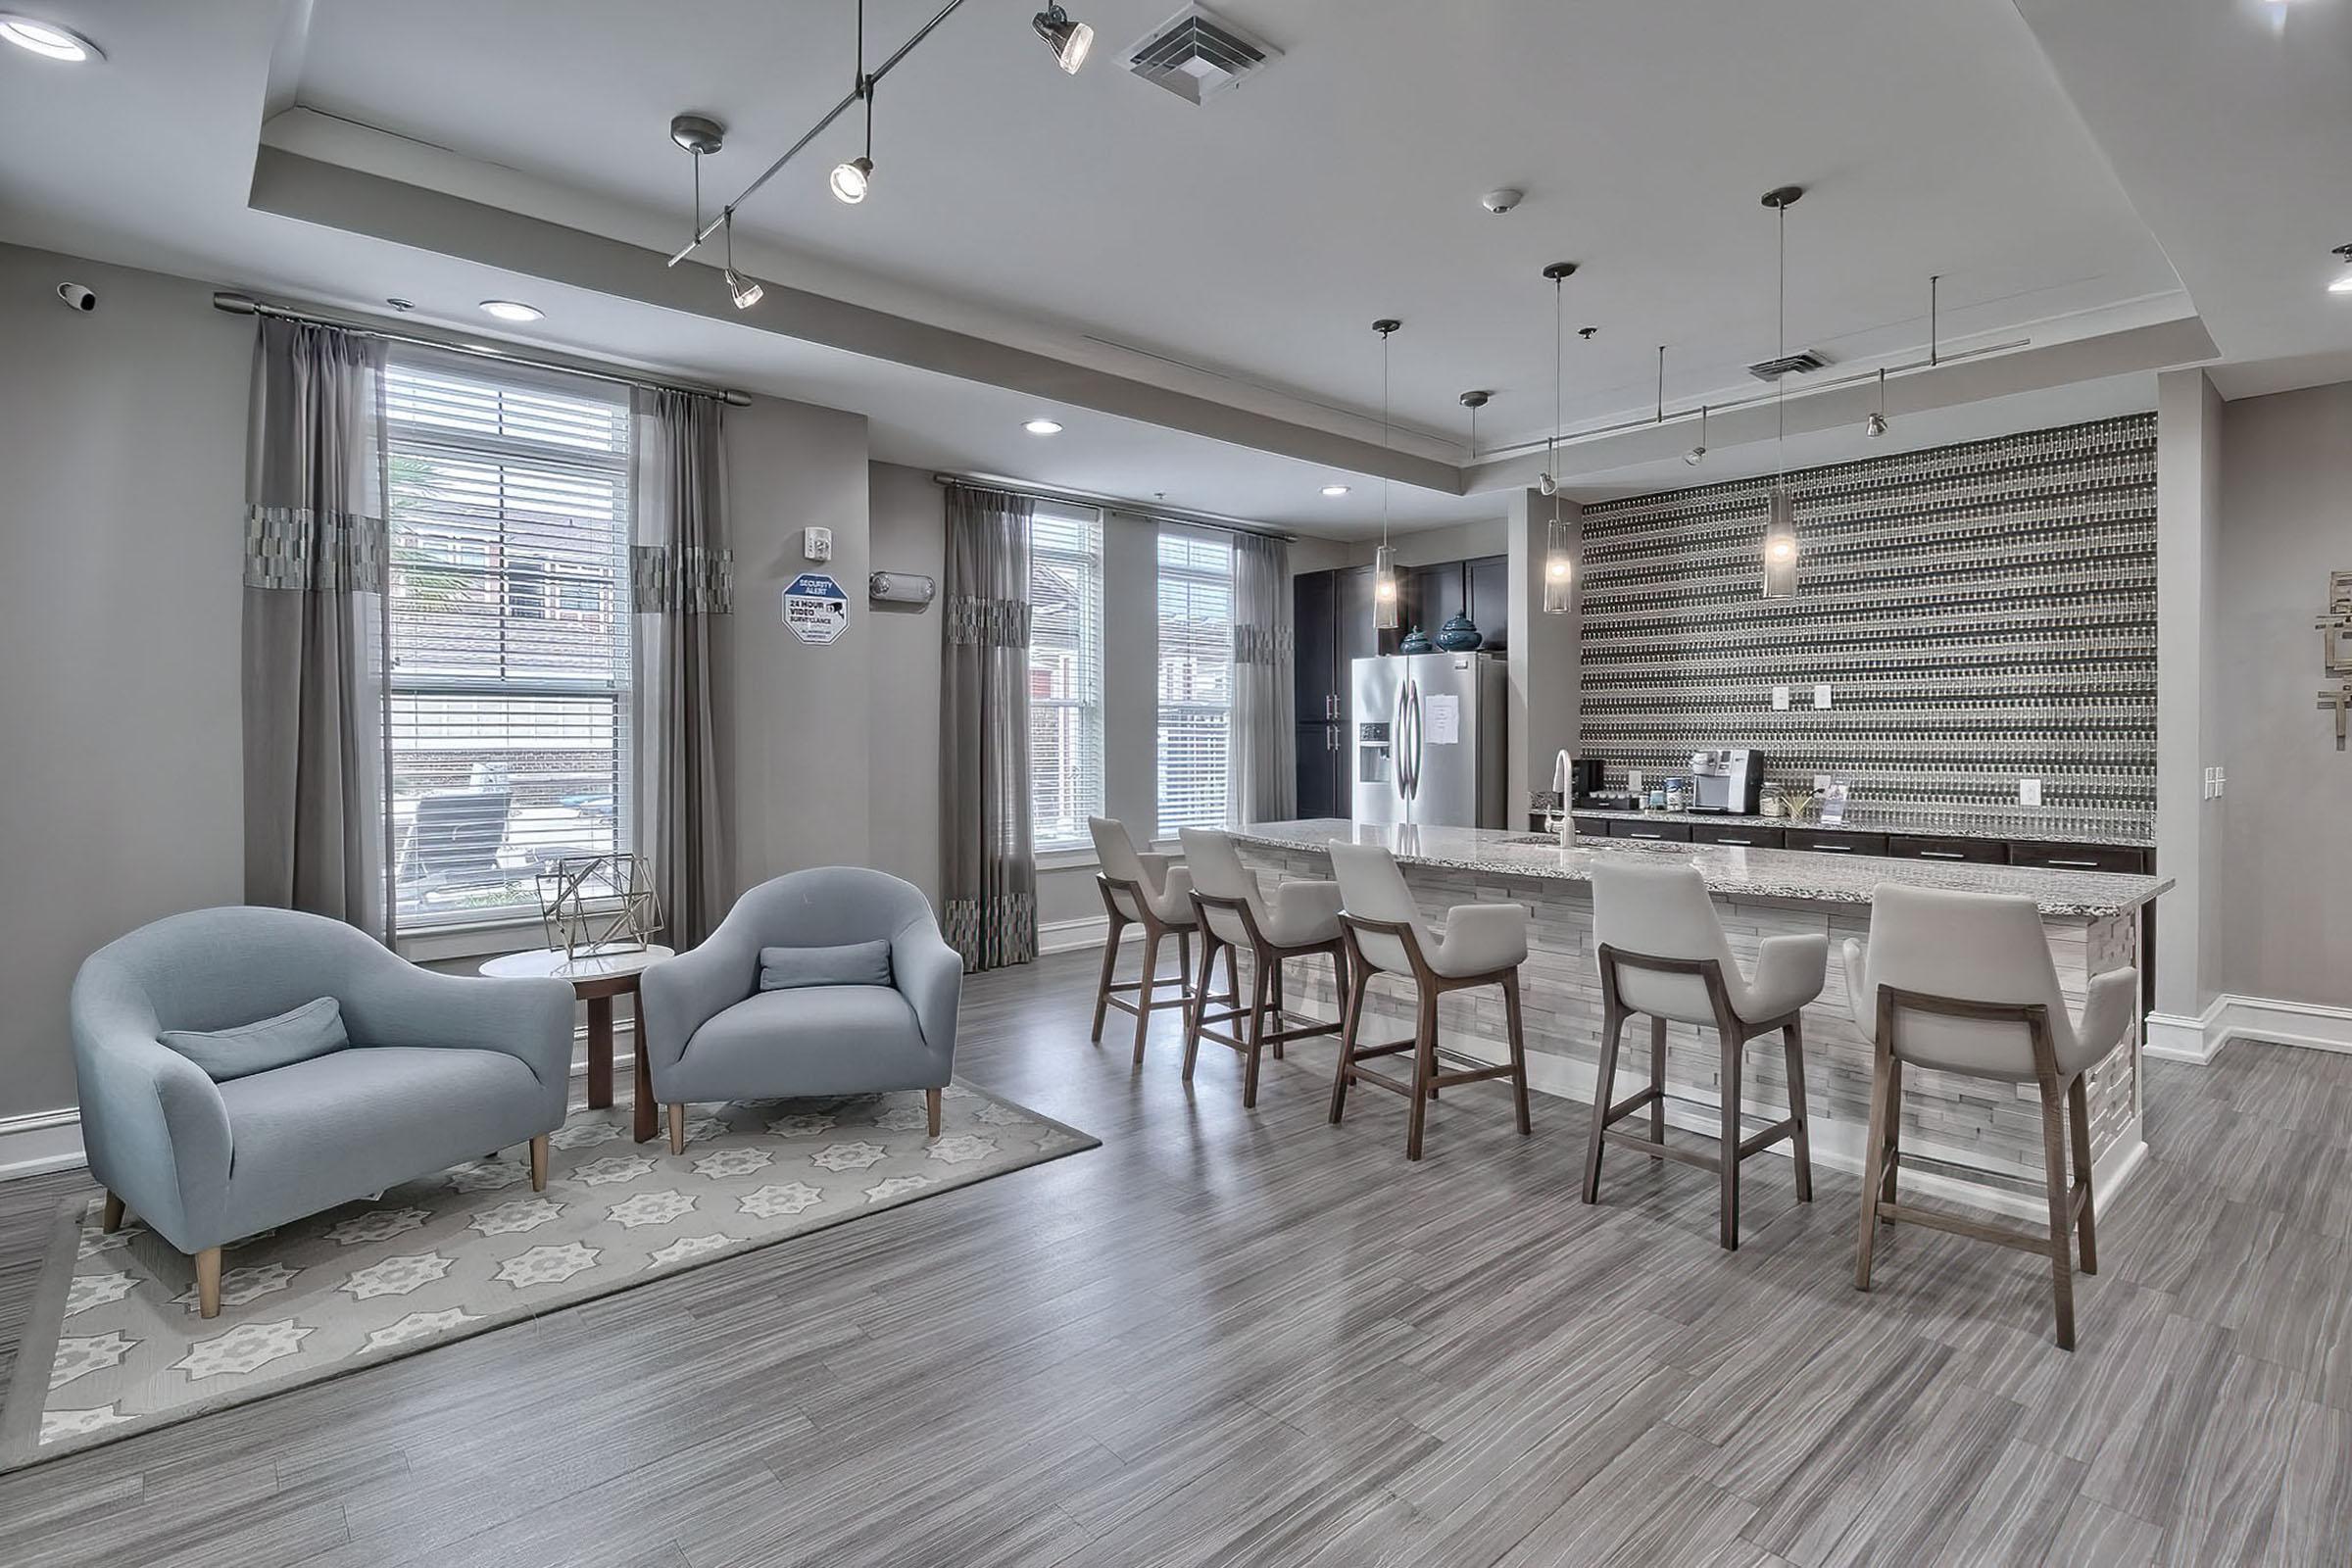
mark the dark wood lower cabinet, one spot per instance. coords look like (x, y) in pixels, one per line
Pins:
(1980, 852)
(1323, 784)
(1833, 840)
(2132, 858)
(1739, 833)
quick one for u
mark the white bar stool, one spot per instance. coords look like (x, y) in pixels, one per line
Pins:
(1153, 891)
(1964, 983)
(1302, 922)
(1663, 952)
(1480, 944)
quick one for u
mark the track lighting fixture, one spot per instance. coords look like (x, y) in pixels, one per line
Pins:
(1069, 40)
(1698, 453)
(1780, 521)
(740, 289)
(1876, 425)
(852, 176)
(2343, 280)
(1384, 587)
(1475, 401)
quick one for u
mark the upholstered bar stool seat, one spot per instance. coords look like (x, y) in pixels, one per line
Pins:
(1964, 983)
(1663, 952)
(1478, 945)
(1301, 921)
(1153, 891)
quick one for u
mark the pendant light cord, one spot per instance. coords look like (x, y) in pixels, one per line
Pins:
(1384, 437)
(1780, 384)
(1553, 455)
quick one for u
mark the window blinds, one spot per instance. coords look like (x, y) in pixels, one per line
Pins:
(1195, 676)
(509, 631)
(1065, 673)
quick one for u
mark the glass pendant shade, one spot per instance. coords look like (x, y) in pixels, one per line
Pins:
(1384, 589)
(1559, 567)
(1779, 544)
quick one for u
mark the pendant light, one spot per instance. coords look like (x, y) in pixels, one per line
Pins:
(849, 179)
(1780, 522)
(1384, 587)
(1560, 555)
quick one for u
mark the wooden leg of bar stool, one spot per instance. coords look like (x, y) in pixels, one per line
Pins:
(1263, 969)
(1142, 989)
(1657, 1080)
(1729, 1231)
(1604, 1089)
(1199, 1002)
(1275, 966)
(2078, 1110)
(1351, 1014)
(1882, 1106)
(1184, 959)
(1792, 1047)
(1518, 1039)
(1111, 960)
(2062, 1262)
(1894, 1135)
(1425, 1066)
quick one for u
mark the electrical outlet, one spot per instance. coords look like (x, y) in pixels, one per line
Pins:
(1779, 699)
(1821, 697)
(2029, 792)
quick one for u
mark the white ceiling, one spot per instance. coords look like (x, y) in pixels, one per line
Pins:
(1253, 238)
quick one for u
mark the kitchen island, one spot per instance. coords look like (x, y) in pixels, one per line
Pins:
(1984, 1134)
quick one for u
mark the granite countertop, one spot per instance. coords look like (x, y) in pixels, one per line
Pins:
(1731, 870)
(1863, 822)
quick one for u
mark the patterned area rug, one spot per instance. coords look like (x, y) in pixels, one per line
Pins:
(114, 1345)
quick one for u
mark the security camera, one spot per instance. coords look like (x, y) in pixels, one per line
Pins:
(1501, 201)
(78, 296)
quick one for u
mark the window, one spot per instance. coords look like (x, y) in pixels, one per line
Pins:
(1065, 673)
(510, 632)
(1196, 677)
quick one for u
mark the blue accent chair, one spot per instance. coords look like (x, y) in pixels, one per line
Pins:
(440, 1067)
(712, 1034)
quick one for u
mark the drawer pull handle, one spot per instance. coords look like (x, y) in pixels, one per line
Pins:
(1941, 854)
(1728, 839)
(2080, 865)
(1833, 849)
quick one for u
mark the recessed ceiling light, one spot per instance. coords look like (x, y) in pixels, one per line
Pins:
(1335, 489)
(47, 39)
(1043, 428)
(512, 310)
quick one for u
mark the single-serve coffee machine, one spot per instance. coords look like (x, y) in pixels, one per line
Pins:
(1727, 779)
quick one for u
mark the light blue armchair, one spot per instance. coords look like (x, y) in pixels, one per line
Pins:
(712, 1034)
(440, 1067)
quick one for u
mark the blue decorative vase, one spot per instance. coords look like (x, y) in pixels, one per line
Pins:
(1459, 634)
(1415, 641)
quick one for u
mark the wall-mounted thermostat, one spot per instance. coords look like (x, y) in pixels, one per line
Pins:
(900, 588)
(816, 544)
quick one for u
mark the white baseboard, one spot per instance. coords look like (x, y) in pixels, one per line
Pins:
(51, 1139)
(2310, 1026)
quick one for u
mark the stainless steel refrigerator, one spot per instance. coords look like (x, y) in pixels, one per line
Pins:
(1428, 737)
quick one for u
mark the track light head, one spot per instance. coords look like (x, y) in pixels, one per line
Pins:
(1696, 455)
(1875, 425)
(850, 179)
(745, 292)
(1547, 484)
(1069, 40)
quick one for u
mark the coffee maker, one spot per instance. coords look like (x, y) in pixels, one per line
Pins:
(1727, 779)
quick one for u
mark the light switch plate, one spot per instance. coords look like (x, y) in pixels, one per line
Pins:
(816, 544)
(2029, 792)
(1779, 699)
(1821, 697)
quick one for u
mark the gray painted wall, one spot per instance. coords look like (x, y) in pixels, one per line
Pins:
(122, 484)
(909, 534)
(2188, 826)
(2286, 871)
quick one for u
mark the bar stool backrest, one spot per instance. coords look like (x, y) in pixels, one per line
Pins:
(1218, 872)
(1660, 912)
(1120, 862)
(1969, 947)
(1371, 888)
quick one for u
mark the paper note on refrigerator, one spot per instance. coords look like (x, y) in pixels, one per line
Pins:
(1444, 722)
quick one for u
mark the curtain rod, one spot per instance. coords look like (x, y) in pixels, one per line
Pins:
(236, 304)
(1155, 512)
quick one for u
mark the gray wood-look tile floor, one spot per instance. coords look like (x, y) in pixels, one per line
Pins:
(1254, 1338)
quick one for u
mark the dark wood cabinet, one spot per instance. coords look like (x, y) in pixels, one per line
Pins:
(1315, 634)
(1323, 785)
(1487, 597)
(1669, 832)
(1740, 833)
(1432, 596)
(1357, 637)
(1914, 847)
(2052, 856)
(1833, 840)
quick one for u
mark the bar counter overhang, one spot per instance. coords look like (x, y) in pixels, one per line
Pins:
(1963, 1137)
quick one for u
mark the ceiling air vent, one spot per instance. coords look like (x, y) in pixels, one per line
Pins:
(1803, 363)
(1197, 54)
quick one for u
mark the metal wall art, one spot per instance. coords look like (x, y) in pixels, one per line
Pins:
(599, 903)
(2335, 650)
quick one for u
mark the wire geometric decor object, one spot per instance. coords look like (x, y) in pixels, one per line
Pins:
(593, 903)
(2335, 650)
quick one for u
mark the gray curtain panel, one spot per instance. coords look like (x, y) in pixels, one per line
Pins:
(1263, 782)
(682, 575)
(988, 878)
(318, 837)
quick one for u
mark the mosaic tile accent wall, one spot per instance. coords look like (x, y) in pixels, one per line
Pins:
(1981, 612)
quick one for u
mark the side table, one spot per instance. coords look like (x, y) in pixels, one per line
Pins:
(596, 977)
